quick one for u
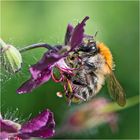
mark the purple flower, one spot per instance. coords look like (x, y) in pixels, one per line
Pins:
(42, 71)
(41, 126)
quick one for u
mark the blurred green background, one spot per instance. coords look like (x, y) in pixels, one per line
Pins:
(29, 22)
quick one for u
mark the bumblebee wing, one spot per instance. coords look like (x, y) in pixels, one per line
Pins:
(115, 89)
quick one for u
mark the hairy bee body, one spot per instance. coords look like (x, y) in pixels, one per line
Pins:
(91, 76)
(95, 65)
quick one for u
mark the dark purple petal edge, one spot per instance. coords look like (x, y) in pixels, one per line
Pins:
(68, 34)
(78, 34)
(41, 126)
(48, 60)
(8, 126)
(32, 83)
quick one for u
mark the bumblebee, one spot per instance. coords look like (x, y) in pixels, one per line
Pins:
(94, 63)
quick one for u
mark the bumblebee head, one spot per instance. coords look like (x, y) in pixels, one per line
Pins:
(89, 47)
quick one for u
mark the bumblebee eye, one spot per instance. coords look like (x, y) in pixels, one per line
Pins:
(85, 48)
(93, 48)
(89, 48)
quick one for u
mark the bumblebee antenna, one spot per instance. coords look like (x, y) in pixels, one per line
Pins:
(95, 34)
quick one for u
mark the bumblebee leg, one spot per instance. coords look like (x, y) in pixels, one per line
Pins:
(79, 97)
(78, 82)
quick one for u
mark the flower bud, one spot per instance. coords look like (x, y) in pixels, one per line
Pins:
(11, 58)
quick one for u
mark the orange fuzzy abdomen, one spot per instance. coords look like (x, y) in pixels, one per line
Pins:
(106, 53)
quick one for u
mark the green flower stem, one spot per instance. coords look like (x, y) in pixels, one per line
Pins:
(34, 46)
(112, 107)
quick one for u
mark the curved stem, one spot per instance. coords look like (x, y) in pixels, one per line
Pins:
(34, 46)
(115, 107)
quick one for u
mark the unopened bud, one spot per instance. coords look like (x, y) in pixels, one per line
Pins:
(11, 58)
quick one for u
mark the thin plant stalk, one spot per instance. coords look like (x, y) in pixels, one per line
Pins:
(34, 46)
(115, 107)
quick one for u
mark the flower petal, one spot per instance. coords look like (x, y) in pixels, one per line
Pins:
(4, 136)
(68, 34)
(32, 83)
(48, 60)
(41, 126)
(78, 34)
(41, 71)
(9, 126)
